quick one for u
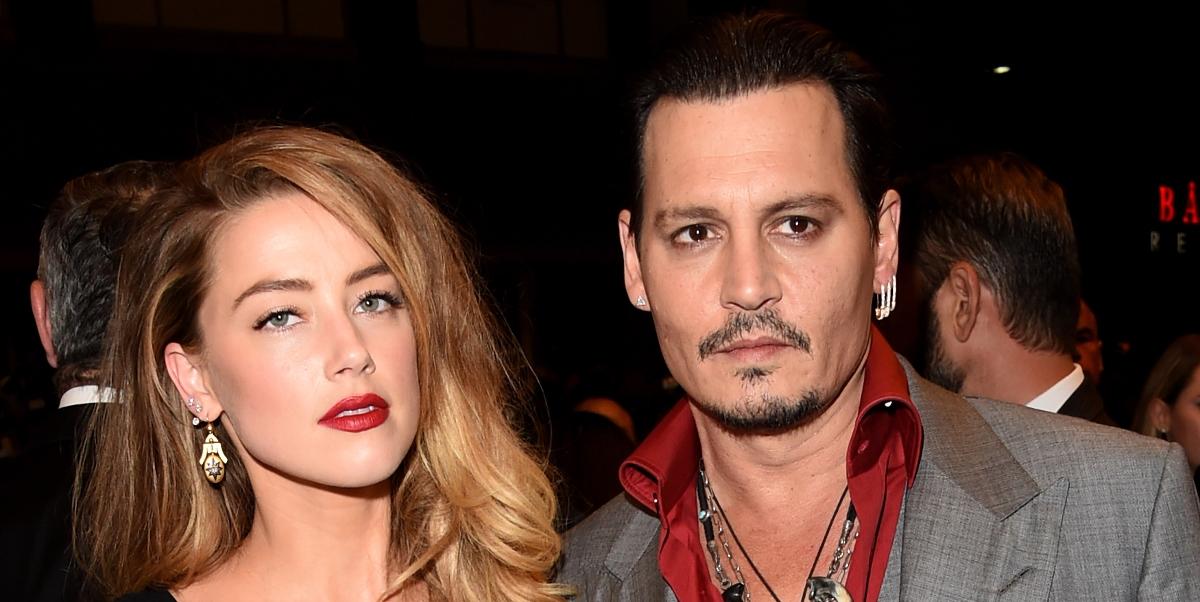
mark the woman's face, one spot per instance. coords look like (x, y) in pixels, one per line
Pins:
(1184, 424)
(307, 348)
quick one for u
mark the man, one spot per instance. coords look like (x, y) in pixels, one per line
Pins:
(762, 228)
(1088, 346)
(996, 257)
(72, 303)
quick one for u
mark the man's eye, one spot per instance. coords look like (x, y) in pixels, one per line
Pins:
(693, 234)
(797, 225)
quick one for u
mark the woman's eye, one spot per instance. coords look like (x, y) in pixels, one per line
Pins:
(376, 302)
(277, 320)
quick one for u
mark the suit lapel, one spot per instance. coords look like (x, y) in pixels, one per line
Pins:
(632, 564)
(975, 525)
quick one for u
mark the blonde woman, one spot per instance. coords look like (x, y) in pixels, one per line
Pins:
(314, 404)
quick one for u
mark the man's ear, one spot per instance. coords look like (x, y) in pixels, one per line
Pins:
(191, 381)
(41, 317)
(887, 247)
(963, 284)
(634, 285)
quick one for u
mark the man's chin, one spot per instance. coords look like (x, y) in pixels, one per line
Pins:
(766, 412)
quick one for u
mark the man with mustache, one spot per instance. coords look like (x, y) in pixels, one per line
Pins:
(997, 261)
(807, 459)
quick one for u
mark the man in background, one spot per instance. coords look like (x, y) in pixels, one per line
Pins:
(997, 260)
(72, 303)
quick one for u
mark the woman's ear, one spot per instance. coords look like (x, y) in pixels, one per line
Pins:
(191, 380)
(1160, 415)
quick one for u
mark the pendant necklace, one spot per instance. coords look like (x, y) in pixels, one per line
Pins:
(715, 523)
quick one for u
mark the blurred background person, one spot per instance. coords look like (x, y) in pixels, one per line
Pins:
(594, 436)
(72, 302)
(1088, 346)
(997, 263)
(1170, 403)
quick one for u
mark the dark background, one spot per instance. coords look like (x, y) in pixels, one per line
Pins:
(512, 110)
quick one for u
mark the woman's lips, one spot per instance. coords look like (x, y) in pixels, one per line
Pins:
(356, 414)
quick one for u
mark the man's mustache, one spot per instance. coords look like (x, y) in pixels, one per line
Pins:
(740, 324)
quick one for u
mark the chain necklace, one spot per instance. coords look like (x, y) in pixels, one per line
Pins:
(820, 589)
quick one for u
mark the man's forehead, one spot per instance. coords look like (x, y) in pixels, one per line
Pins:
(771, 144)
(802, 104)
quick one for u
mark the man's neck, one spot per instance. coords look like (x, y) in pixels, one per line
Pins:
(779, 490)
(764, 470)
(1009, 372)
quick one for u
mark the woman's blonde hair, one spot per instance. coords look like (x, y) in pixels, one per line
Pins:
(472, 511)
(1170, 374)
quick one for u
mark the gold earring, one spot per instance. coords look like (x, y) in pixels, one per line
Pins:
(212, 458)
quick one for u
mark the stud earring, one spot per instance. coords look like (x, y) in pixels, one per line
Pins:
(641, 301)
(212, 458)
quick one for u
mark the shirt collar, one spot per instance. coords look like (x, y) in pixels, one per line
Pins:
(1052, 399)
(86, 394)
(663, 468)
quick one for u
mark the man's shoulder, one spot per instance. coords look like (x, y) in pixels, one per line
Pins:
(619, 526)
(1046, 442)
(608, 543)
(1116, 510)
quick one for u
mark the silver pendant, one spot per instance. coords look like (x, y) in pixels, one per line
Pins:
(825, 589)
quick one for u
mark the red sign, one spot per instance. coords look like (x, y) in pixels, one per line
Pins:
(1168, 209)
(1176, 214)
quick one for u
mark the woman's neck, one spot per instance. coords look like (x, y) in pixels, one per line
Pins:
(307, 542)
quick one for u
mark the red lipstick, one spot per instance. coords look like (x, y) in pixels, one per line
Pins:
(356, 414)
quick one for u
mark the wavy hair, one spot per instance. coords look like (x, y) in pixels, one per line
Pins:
(471, 511)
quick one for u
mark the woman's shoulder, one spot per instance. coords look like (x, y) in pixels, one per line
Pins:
(149, 595)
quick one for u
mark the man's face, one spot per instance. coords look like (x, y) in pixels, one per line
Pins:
(755, 254)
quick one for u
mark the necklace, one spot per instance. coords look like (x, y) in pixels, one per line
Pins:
(820, 589)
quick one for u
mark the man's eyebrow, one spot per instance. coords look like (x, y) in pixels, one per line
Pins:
(800, 202)
(691, 212)
(267, 286)
(791, 203)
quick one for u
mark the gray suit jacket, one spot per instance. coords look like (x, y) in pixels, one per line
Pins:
(1008, 504)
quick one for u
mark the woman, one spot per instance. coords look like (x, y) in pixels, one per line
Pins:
(314, 402)
(1170, 404)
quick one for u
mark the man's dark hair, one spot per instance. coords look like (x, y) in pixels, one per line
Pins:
(80, 241)
(1001, 214)
(727, 57)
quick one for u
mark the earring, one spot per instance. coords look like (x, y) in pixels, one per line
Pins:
(212, 458)
(887, 299)
(194, 405)
(641, 301)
